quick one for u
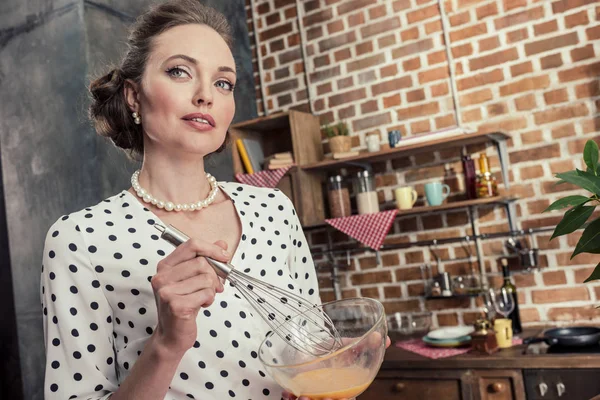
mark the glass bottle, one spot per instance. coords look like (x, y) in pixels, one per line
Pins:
(470, 176)
(512, 289)
(366, 195)
(338, 196)
(486, 183)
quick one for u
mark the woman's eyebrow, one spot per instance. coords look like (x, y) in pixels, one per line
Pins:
(195, 62)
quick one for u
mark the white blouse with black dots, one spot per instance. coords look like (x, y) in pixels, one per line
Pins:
(99, 308)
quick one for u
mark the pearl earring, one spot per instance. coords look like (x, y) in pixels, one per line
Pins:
(136, 118)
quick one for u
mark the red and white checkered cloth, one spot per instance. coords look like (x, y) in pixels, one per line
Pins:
(267, 178)
(369, 229)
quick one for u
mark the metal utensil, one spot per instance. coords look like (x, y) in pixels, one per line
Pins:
(301, 323)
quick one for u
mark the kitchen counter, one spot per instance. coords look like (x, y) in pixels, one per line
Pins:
(505, 358)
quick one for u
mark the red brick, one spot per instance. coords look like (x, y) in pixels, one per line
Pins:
(484, 78)
(371, 292)
(415, 95)
(391, 292)
(577, 146)
(371, 277)
(545, 27)
(552, 43)
(489, 44)
(409, 34)
(583, 53)
(372, 121)
(519, 18)
(584, 71)
(511, 4)
(387, 25)
(420, 126)
(325, 74)
(537, 206)
(554, 278)
(391, 101)
(588, 89)
(413, 48)
(412, 64)
(314, 33)
(579, 18)
(447, 319)
(416, 289)
(337, 41)
(392, 307)
(551, 61)
(460, 18)
(564, 259)
(392, 85)
(468, 32)
(531, 137)
(563, 5)
(275, 32)
(525, 85)
(363, 48)
(570, 314)
(486, 10)
(433, 74)
(581, 274)
(443, 304)
(419, 111)
(538, 153)
(436, 57)
(347, 97)
(556, 96)
(401, 5)
(559, 295)
(439, 89)
(593, 33)
(499, 57)
(522, 68)
(423, 13)
(349, 6)
(529, 315)
(445, 121)
(563, 131)
(565, 112)
(462, 50)
(335, 27)
(369, 107)
(342, 55)
(476, 97)
(377, 12)
(517, 35)
(472, 115)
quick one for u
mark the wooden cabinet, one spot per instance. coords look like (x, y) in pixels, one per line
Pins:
(299, 133)
(425, 385)
(562, 384)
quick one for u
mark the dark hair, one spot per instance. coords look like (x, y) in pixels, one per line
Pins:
(109, 110)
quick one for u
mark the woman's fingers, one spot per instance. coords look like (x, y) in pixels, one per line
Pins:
(192, 249)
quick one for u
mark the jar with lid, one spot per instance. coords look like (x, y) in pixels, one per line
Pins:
(338, 196)
(366, 195)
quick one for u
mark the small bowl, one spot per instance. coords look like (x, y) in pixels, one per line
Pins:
(405, 326)
(344, 373)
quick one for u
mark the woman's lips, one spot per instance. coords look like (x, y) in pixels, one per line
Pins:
(200, 126)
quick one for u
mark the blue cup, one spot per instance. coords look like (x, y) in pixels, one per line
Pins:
(394, 137)
(436, 193)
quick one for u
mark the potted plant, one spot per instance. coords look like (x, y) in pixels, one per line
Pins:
(339, 140)
(582, 207)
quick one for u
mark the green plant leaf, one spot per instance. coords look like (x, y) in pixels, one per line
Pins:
(584, 180)
(590, 155)
(572, 220)
(590, 239)
(595, 275)
(568, 202)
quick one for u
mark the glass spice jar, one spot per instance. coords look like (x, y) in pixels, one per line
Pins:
(338, 196)
(366, 195)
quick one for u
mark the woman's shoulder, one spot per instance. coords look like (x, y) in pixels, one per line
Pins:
(255, 192)
(107, 206)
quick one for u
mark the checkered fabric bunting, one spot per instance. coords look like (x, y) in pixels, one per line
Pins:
(369, 229)
(267, 178)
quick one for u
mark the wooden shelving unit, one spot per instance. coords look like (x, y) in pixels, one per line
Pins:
(408, 150)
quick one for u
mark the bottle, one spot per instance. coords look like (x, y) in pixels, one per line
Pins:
(366, 195)
(338, 196)
(469, 173)
(512, 289)
(486, 183)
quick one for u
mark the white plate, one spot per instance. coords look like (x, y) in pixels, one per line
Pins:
(451, 332)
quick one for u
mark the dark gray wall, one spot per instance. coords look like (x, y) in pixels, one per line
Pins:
(52, 161)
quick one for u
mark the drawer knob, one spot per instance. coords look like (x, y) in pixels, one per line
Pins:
(497, 387)
(560, 389)
(543, 389)
(399, 387)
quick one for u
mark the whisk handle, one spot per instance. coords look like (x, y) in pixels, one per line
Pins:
(176, 237)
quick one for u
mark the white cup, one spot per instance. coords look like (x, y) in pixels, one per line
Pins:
(373, 144)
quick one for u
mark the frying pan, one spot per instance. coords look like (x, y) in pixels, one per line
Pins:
(577, 336)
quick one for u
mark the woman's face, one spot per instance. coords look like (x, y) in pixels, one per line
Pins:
(190, 74)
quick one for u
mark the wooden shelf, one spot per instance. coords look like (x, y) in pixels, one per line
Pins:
(454, 296)
(408, 150)
(443, 207)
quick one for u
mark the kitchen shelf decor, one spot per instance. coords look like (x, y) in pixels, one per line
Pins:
(369, 229)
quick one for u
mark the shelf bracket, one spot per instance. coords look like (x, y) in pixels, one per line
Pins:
(478, 247)
(500, 142)
(511, 215)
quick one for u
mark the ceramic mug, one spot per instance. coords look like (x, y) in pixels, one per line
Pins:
(406, 197)
(436, 193)
(504, 332)
(373, 144)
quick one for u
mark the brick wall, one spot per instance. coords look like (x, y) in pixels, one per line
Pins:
(525, 67)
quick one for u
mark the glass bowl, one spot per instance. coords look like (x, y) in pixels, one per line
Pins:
(344, 373)
(405, 326)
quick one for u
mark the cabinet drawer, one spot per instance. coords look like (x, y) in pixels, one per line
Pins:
(413, 389)
(561, 384)
(499, 384)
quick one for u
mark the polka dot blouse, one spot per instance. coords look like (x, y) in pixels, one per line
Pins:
(99, 308)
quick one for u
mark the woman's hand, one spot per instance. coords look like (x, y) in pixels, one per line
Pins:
(371, 341)
(184, 283)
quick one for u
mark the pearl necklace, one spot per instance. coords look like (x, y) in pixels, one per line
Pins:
(169, 206)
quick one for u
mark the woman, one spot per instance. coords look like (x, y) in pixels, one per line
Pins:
(126, 315)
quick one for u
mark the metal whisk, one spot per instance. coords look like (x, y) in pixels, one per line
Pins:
(300, 323)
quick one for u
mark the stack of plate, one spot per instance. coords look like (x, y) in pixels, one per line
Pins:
(455, 336)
